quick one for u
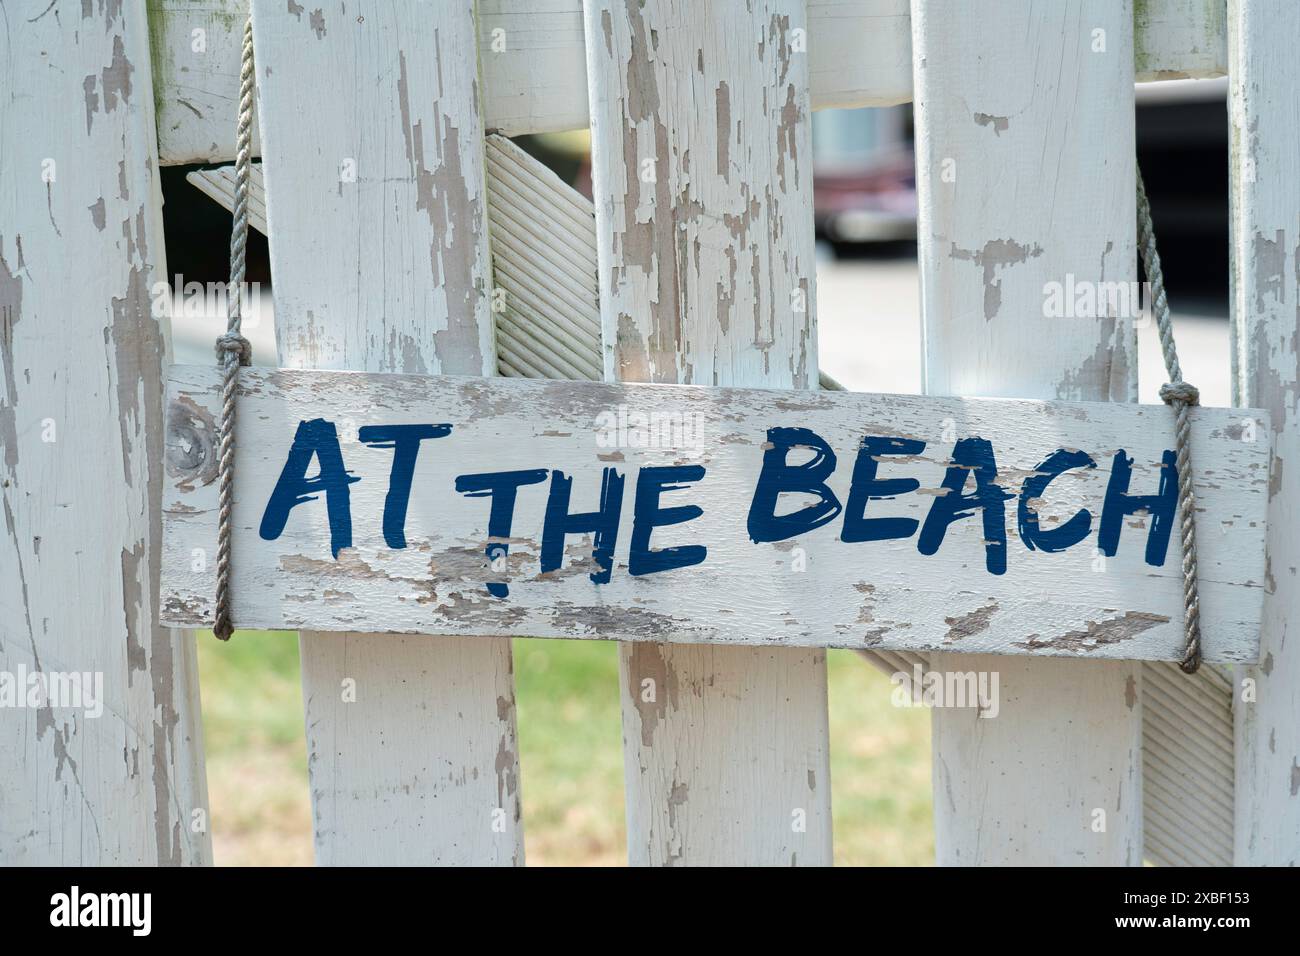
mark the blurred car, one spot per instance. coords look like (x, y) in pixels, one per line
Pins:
(864, 175)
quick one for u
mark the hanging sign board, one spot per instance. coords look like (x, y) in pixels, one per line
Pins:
(472, 506)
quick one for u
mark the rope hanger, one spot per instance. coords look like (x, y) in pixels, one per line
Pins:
(1181, 396)
(234, 351)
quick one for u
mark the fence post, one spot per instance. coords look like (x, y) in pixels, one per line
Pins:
(373, 156)
(1264, 79)
(1024, 118)
(81, 434)
(702, 173)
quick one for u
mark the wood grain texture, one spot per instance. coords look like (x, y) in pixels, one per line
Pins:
(81, 428)
(1042, 152)
(887, 594)
(534, 68)
(376, 210)
(1265, 194)
(701, 168)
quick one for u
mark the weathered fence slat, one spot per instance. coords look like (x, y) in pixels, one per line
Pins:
(1265, 148)
(377, 209)
(1025, 175)
(534, 77)
(110, 772)
(701, 159)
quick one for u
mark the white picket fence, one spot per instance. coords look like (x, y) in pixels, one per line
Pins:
(695, 265)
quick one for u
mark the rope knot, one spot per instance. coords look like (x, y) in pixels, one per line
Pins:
(233, 342)
(1180, 391)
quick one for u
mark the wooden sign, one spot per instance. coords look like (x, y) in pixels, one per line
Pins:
(448, 505)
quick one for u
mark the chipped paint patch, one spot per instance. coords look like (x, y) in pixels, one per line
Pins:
(998, 124)
(995, 255)
(965, 625)
(1096, 634)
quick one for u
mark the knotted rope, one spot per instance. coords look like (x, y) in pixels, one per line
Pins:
(1181, 396)
(233, 350)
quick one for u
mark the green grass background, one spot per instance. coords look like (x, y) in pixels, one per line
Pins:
(570, 743)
